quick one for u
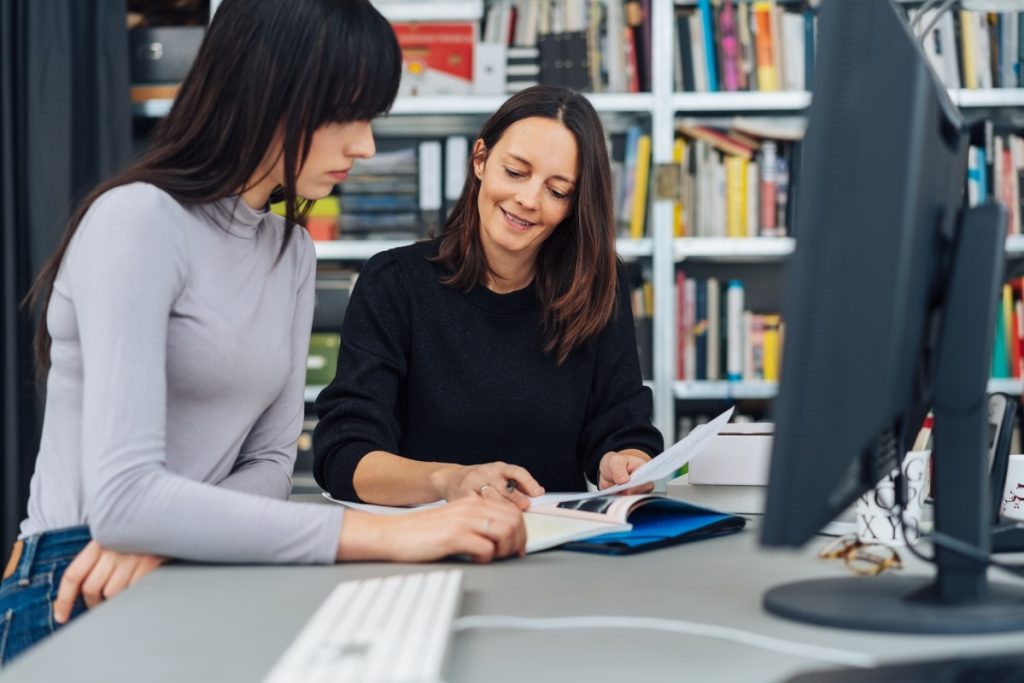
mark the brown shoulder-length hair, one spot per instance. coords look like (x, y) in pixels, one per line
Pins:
(266, 67)
(576, 266)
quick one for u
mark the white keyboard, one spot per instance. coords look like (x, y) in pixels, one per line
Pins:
(381, 630)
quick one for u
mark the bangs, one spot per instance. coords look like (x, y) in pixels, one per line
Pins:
(359, 76)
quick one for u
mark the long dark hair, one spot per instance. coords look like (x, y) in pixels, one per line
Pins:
(266, 67)
(576, 266)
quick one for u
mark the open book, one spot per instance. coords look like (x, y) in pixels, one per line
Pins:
(621, 525)
(558, 518)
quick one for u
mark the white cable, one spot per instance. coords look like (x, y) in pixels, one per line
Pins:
(825, 654)
(927, 5)
(935, 19)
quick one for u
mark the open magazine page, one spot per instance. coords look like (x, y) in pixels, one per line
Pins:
(542, 531)
(609, 509)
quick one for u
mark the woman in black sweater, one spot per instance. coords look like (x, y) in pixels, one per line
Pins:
(499, 360)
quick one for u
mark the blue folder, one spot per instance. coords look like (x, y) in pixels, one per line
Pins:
(659, 523)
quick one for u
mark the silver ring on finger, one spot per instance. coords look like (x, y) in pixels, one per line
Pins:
(485, 486)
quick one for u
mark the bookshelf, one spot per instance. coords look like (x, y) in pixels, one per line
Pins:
(660, 250)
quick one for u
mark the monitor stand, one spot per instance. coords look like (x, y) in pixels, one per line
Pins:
(959, 599)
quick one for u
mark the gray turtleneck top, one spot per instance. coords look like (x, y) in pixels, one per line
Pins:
(174, 397)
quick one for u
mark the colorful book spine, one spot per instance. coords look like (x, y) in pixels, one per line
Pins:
(772, 347)
(714, 335)
(735, 191)
(734, 336)
(730, 47)
(769, 189)
(678, 215)
(708, 23)
(643, 171)
(967, 50)
(767, 71)
(700, 331)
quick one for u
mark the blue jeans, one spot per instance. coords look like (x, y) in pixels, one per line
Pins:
(27, 595)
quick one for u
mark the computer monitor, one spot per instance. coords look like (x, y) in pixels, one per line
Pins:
(889, 305)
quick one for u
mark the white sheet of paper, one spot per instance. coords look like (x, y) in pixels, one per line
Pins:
(659, 467)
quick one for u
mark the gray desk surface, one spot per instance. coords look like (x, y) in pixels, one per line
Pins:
(224, 624)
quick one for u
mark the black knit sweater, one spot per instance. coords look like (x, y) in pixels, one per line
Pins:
(434, 374)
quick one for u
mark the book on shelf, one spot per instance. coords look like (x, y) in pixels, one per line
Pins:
(765, 44)
(437, 57)
(642, 304)
(322, 360)
(631, 168)
(973, 48)
(638, 215)
(733, 183)
(564, 60)
(399, 192)
(707, 39)
(737, 45)
(1008, 340)
(591, 45)
(333, 286)
(718, 338)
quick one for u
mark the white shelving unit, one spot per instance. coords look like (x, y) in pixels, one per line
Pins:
(732, 250)
(724, 391)
(360, 250)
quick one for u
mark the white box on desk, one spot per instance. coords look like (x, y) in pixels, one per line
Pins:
(737, 456)
(742, 500)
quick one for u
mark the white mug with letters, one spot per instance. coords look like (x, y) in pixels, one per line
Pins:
(1012, 506)
(877, 519)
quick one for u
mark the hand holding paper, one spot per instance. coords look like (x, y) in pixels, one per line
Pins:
(659, 467)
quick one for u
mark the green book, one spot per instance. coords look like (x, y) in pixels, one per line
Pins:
(322, 362)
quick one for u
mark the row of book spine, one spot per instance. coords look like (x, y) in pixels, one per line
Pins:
(590, 45)
(643, 318)
(995, 172)
(718, 338)
(1008, 350)
(631, 180)
(737, 45)
(732, 186)
(974, 49)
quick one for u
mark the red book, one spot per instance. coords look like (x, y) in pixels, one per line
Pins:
(437, 58)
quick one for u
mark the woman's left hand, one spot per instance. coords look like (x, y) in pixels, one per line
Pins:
(99, 574)
(618, 466)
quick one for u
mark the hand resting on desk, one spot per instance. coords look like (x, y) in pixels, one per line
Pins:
(482, 529)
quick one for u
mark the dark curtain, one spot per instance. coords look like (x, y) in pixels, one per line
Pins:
(65, 123)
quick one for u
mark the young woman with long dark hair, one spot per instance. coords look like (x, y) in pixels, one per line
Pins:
(177, 314)
(500, 359)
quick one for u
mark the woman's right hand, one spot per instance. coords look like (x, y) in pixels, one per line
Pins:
(484, 530)
(497, 481)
